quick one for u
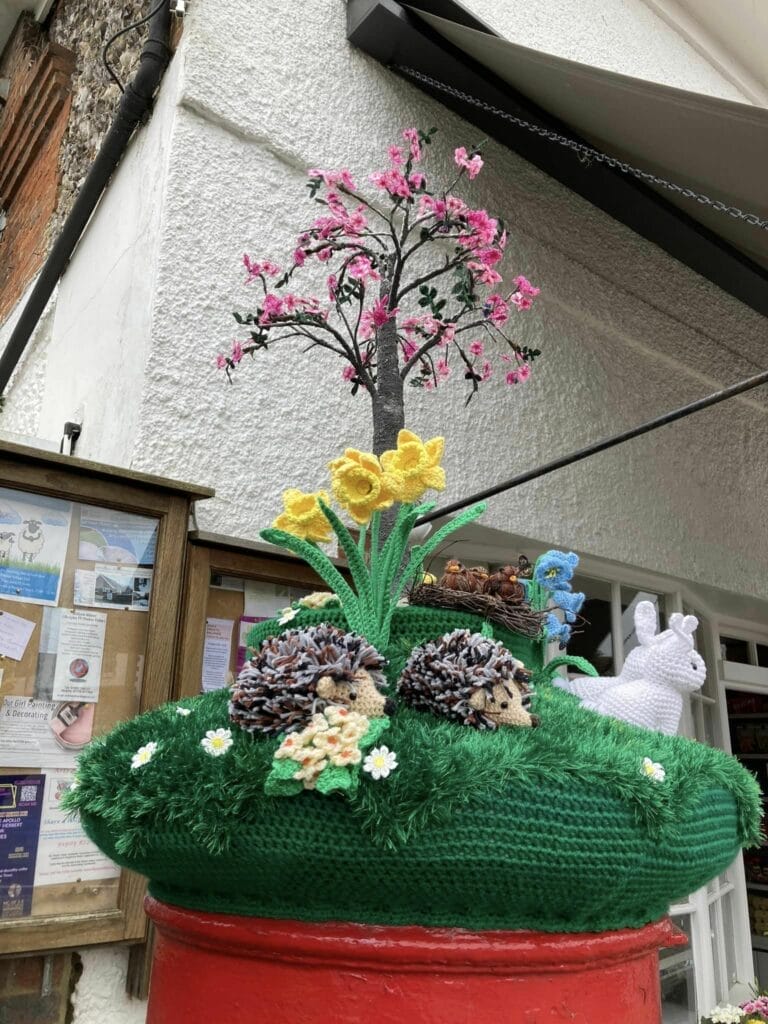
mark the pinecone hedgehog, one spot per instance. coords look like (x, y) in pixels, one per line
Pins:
(467, 678)
(303, 671)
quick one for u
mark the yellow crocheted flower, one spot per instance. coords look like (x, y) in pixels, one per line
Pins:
(360, 484)
(415, 466)
(303, 516)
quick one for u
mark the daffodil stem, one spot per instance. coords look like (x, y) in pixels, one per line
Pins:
(361, 541)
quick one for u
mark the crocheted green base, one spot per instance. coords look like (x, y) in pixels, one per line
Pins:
(544, 857)
(554, 828)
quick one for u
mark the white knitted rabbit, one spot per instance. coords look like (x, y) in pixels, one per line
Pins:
(649, 689)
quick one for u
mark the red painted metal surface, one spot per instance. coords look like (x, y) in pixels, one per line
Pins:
(217, 967)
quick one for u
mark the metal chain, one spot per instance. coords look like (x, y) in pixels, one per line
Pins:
(586, 153)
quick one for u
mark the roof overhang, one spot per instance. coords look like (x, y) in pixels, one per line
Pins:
(714, 146)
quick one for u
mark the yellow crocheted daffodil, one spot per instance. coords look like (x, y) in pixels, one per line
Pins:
(303, 516)
(415, 466)
(360, 484)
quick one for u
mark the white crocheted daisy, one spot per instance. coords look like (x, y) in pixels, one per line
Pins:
(143, 755)
(653, 770)
(217, 742)
(184, 711)
(380, 762)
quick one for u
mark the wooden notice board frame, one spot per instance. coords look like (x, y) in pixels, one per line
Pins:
(79, 481)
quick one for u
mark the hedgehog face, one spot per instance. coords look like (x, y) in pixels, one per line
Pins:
(502, 706)
(359, 694)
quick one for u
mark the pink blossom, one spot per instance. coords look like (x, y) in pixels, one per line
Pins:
(348, 373)
(299, 257)
(395, 154)
(375, 317)
(310, 304)
(237, 352)
(486, 371)
(221, 361)
(392, 181)
(361, 269)
(410, 324)
(521, 301)
(411, 135)
(524, 373)
(455, 206)
(428, 204)
(417, 180)
(409, 349)
(271, 308)
(525, 287)
(429, 385)
(443, 369)
(355, 222)
(512, 377)
(483, 229)
(476, 347)
(502, 243)
(489, 257)
(331, 178)
(431, 325)
(325, 254)
(290, 303)
(256, 269)
(333, 284)
(448, 335)
(496, 310)
(483, 274)
(471, 165)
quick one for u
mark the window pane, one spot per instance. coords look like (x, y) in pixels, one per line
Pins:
(732, 649)
(630, 599)
(592, 637)
(678, 992)
(762, 655)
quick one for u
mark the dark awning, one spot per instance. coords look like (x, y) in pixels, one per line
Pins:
(713, 146)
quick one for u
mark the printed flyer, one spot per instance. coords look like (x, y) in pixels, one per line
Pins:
(119, 538)
(43, 733)
(77, 676)
(34, 533)
(216, 652)
(65, 853)
(21, 802)
(113, 586)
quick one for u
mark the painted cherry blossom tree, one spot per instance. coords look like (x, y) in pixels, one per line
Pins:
(414, 292)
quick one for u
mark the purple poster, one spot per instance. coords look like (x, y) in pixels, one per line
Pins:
(21, 803)
(247, 622)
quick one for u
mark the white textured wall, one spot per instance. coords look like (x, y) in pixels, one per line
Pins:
(626, 332)
(100, 994)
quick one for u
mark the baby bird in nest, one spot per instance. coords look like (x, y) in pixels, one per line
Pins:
(505, 585)
(477, 576)
(456, 577)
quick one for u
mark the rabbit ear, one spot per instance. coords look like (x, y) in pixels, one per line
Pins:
(683, 626)
(645, 622)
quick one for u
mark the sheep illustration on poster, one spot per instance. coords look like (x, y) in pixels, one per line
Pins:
(649, 689)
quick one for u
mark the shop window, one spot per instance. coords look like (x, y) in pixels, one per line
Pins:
(593, 637)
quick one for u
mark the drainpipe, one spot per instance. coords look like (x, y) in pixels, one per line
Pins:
(135, 104)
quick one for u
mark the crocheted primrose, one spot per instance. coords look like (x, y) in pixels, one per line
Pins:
(584, 823)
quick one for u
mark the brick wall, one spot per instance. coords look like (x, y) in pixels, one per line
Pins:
(59, 84)
(33, 124)
(36, 989)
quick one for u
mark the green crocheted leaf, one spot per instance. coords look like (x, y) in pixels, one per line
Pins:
(335, 779)
(376, 727)
(582, 664)
(357, 568)
(324, 568)
(280, 781)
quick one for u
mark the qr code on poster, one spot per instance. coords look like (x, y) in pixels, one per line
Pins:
(28, 794)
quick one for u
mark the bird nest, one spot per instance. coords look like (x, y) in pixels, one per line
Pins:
(518, 618)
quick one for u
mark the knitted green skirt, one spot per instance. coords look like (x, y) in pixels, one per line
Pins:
(556, 828)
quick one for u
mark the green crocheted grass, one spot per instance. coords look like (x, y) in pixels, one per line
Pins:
(553, 828)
